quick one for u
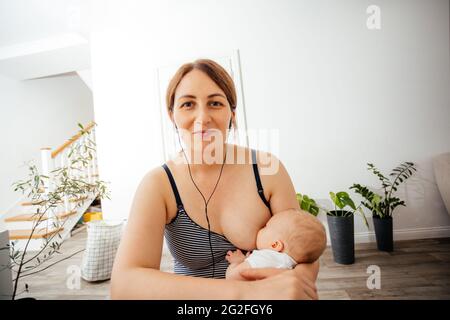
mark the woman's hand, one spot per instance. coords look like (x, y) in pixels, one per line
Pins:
(279, 284)
(260, 273)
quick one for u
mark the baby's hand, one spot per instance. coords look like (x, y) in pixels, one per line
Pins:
(235, 256)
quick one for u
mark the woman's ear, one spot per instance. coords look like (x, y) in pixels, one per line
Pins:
(233, 118)
(171, 118)
(278, 245)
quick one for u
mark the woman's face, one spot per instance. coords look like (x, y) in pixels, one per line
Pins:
(201, 111)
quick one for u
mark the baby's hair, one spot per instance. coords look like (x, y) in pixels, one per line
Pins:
(306, 231)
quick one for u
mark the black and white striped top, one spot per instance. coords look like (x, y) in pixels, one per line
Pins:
(188, 241)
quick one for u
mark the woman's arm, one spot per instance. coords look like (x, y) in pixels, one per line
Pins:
(305, 275)
(311, 270)
(234, 271)
(136, 273)
(277, 183)
(300, 285)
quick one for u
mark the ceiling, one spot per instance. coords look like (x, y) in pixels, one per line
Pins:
(40, 38)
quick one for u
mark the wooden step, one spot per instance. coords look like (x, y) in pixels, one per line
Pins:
(38, 233)
(95, 175)
(77, 199)
(32, 203)
(36, 203)
(34, 216)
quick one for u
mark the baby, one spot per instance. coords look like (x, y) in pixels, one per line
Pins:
(289, 237)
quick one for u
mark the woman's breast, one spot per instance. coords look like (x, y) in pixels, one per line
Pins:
(241, 225)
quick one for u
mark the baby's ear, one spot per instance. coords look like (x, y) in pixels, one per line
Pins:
(278, 245)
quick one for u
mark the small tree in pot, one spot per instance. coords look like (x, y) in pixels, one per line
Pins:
(382, 207)
(23, 261)
(341, 227)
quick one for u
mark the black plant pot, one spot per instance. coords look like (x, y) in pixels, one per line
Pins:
(342, 238)
(384, 233)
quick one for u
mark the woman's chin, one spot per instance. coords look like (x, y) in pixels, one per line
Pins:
(206, 151)
(206, 145)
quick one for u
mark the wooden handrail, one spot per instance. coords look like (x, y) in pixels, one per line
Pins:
(72, 140)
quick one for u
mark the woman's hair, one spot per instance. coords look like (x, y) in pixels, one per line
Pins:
(215, 71)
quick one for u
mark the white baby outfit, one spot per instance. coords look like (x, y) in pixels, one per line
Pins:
(266, 258)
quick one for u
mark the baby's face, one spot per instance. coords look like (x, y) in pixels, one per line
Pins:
(276, 229)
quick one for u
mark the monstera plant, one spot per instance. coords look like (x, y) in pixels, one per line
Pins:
(308, 204)
(341, 226)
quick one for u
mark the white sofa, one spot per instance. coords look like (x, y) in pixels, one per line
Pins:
(441, 165)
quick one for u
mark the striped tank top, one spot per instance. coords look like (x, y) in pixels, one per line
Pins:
(188, 242)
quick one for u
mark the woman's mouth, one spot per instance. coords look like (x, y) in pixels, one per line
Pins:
(203, 133)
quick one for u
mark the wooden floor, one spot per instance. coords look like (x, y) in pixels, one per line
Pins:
(417, 269)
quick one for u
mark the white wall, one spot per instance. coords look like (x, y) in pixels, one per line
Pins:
(340, 94)
(34, 114)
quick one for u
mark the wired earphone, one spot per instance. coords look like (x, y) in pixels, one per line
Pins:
(204, 199)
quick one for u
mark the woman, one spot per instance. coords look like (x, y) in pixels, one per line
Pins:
(171, 200)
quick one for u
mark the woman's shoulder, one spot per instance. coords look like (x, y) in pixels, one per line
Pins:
(154, 173)
(267, 162)
(153, 178)
(262, 157)
(154, 187)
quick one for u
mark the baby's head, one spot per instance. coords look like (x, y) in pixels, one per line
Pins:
(297, 233)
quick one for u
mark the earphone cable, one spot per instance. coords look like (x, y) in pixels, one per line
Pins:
(204, 199)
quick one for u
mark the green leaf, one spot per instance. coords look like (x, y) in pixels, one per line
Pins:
(346, 200)
(306, 203)
(335, 200)
(364, 217)
(342, 199)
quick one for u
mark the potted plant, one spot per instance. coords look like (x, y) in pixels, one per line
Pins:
(383, 206)
(341, 227)
(24, 262)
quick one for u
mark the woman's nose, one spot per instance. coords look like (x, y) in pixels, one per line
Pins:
(202, 115)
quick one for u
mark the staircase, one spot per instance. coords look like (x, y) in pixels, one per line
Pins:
(22, 217)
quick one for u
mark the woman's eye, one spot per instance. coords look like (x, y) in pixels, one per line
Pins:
(216, 103)
(187, 104)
